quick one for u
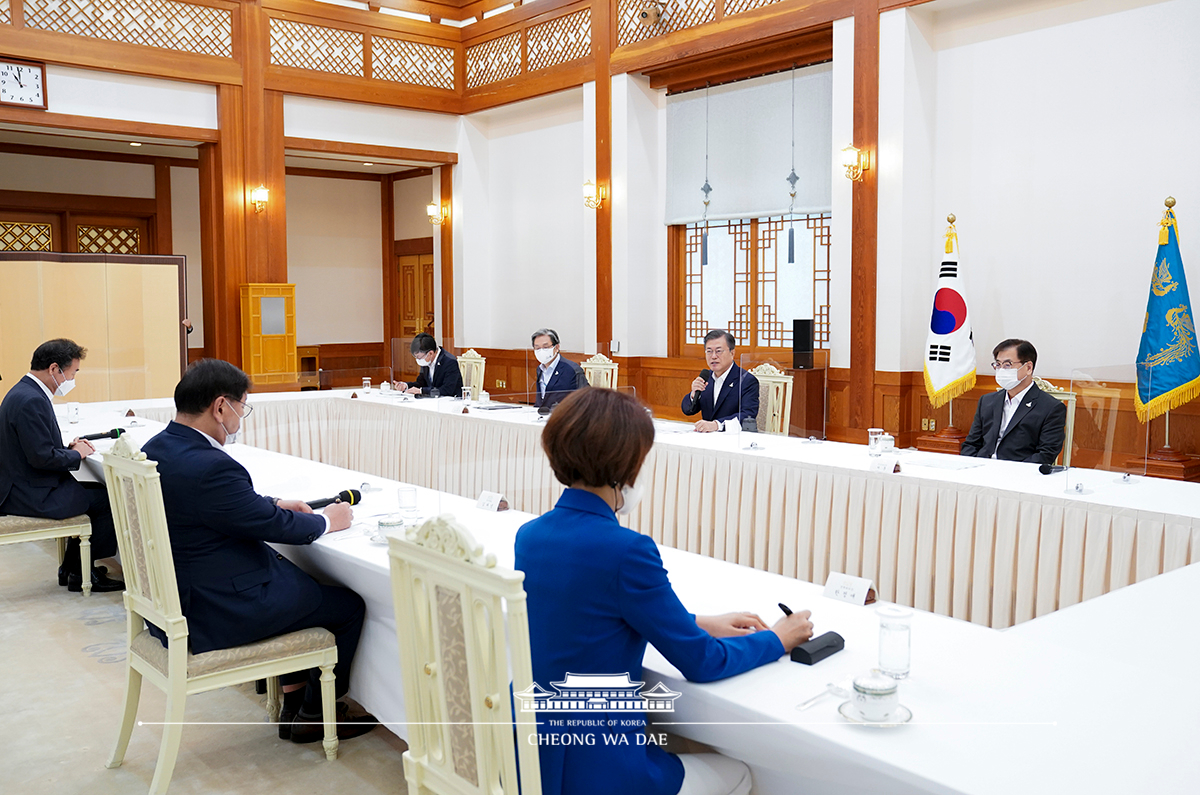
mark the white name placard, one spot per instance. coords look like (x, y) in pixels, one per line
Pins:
(845, 588)
(489, 501)
(885, 463)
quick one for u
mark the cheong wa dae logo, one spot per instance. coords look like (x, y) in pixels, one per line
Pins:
(608, 692)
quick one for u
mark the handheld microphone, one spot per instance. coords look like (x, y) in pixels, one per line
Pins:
(1047, 469)
(696, 394)
(349, 496)
(113, 434)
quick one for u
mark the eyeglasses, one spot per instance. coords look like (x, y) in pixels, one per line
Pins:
(248, 407)
(1006, 365)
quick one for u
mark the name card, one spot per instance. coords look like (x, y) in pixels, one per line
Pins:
(845, 588)
(491, 501)
(885, 463)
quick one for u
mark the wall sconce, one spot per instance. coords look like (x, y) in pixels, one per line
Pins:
(856, 162)
(436, 213)
(594, 195)
(259, 197)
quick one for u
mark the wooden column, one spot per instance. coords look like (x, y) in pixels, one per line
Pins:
(602, 25)
(387, 224)
(864, 219)
(162, 208)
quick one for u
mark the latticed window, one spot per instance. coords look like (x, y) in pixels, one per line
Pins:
(108, 239)
(754, 283)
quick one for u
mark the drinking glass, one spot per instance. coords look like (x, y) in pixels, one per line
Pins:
(406, 496)
(895, 640)
(366, 384)
(874, 437)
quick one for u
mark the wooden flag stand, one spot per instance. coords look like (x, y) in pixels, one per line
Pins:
(1166, 461)
(948, 440)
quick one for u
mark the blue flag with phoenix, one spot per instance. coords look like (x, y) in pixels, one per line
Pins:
(1168, 362)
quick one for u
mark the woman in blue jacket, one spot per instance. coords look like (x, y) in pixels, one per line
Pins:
(598, 592)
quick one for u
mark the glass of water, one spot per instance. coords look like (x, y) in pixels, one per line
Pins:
(895, 640)
(466, 393)
(366, 384)
(406, 497)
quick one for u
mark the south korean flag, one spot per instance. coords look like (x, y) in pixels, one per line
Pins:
(950, 349)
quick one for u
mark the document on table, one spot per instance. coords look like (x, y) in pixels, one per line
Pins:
(944, 461)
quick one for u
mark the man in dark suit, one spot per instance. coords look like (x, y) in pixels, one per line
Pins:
(235, 589)
(556, 377)
(35, 466)
(440, 376)
(724, 392)
(1020, 422)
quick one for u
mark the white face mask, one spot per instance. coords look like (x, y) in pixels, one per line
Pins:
(630, 497)
(1008, 378)
(230, 436)
(421, 362)
(544, 355)
(64, 387)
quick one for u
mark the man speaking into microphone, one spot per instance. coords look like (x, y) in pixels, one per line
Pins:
(723, 392)
(233, 588)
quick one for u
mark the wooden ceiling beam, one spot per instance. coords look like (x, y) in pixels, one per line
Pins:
(369, 151)
(809, 47)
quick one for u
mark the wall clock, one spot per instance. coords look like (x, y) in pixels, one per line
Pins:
(22, 83)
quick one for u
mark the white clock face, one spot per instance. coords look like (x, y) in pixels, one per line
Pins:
(21, 84)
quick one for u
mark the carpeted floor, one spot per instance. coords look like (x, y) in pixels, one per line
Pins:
(63, 687)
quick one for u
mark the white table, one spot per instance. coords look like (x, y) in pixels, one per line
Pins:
(1042, 708)
(996, 544)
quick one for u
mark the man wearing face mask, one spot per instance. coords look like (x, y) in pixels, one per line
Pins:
(35, 466)
(440, 376)
(1020, 422)
(234, 589)
(556, 377)
(724, 392)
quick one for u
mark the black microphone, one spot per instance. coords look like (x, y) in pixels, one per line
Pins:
(113, 434)
(1047, 469)
(349, 496)
(696, 394)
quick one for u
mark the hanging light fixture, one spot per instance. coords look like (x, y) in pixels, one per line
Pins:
(792, 179)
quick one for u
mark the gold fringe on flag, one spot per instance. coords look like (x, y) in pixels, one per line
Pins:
(1163, 403)
(951, 237)
(939, 398)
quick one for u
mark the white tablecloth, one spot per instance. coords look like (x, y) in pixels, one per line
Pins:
(1042, 708)
(996, 544)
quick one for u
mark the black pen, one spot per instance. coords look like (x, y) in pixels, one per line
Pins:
(787, 611)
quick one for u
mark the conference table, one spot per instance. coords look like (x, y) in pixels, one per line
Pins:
(992, 542)
(1092, 698)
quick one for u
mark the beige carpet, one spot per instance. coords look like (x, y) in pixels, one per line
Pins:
(63, 687)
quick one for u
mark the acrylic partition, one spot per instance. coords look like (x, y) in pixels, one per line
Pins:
(126, 310)
(364, 379)
(1104, 433)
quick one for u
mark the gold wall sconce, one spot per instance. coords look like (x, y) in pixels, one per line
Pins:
(258, 197)
(856, 161)
(594, 195)
(437, 213)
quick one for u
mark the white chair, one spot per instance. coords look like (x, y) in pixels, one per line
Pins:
(601, 371)
(15, 529)
(774, 399)
(1067, 397)
(461, 624)
(470, 364)
(152, 594)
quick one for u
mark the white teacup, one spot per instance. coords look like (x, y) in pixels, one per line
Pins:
(875, 696)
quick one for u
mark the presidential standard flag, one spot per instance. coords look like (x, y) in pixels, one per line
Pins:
(1168, 365)
(950, 350)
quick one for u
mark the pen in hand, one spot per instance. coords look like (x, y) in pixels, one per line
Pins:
(787, 611)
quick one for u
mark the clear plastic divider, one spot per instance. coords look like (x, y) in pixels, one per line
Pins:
(365, 380)
(1100, 435)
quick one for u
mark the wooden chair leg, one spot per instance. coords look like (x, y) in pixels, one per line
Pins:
(169, 750)
(133, 693)
(274, 696)
(85, 563)
(329, 712)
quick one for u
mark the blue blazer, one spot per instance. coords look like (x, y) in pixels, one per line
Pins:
(233, 588)
(35, 465)
(729, 405)
(566, 378)
(597, 593)
(447, 378)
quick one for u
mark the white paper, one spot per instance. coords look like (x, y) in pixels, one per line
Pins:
(946, 461)
(845, 588)
(489, 500)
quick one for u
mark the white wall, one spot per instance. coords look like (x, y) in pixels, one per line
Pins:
(335, 259)
(108, 95)
(324, 119)
(68, 175)
(185, 239)
(411, 196)
(638, 205)
(520, 222)
(841, 194)
(1060, 128)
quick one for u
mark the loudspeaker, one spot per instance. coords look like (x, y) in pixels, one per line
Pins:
(802, 344)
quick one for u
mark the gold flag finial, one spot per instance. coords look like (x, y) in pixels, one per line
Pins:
(951, 234)
(1170, 202)
(951, 219)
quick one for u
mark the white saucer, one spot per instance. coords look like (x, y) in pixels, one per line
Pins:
(902, 715)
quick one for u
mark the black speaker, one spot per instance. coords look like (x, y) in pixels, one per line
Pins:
(802, 344)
